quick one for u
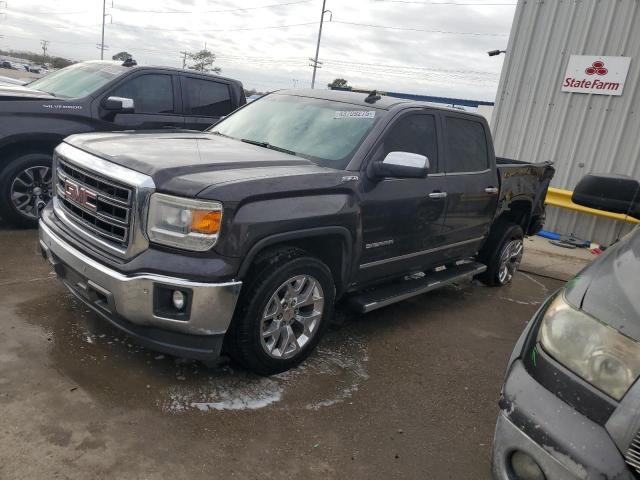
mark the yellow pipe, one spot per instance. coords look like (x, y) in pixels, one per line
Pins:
(562, 198)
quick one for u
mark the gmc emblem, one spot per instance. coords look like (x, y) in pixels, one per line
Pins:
(80, 195)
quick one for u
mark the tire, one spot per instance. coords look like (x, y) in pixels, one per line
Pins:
(25, 185)
(501, 254)
(261, 326)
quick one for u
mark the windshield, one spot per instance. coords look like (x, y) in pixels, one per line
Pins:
(323, 131)
(77, 80)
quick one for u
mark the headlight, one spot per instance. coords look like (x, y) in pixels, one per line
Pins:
(183, 222)
(596, 352)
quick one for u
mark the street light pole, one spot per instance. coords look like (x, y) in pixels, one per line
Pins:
(315, 60)
(104, 16)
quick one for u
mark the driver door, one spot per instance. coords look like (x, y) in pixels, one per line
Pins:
(403, 218)
(155, 106)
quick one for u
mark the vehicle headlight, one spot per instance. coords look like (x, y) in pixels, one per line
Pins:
(183, 222)
(598, 353)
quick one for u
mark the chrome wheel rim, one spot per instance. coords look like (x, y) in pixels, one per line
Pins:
(510, 260)
(292, 317)
(31, 190)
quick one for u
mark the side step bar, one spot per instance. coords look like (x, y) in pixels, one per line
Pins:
(396, 292)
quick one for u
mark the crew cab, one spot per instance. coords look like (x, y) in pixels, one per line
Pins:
(89, 97)
(242, 238)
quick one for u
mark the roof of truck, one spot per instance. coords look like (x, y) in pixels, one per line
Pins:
(357, 98)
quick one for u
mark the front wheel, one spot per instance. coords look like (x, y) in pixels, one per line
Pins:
(25, 188)
(283, 312)
(502, 254)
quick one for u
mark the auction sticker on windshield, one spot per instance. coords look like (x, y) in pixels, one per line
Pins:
(354, 114)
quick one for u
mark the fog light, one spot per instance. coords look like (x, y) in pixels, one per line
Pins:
(178, 299)
(525, 467)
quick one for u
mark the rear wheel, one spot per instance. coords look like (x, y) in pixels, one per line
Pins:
(25, 188)
(283, 312)
(502, 254)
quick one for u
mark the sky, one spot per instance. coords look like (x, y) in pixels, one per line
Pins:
(414, 46)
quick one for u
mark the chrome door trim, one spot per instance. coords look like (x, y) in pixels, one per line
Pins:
(417, 254)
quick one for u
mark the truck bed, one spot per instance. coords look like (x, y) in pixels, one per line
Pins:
(524, 181)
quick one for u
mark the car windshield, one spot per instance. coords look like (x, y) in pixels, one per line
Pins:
(325, 132)
(77, 80)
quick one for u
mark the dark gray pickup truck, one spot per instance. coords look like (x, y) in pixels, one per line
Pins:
(244, 237)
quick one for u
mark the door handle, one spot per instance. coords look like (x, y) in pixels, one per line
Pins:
(491, 189)
(438, 195)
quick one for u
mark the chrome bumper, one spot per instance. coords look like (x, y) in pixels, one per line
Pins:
(112, 294)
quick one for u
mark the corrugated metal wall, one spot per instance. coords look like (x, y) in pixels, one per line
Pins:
(581, 133)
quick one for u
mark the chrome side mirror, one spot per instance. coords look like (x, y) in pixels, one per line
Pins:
(119, 104)
(402, 165)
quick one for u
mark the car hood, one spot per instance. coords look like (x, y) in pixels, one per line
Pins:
(608, 289)
(188, 162)
(22, 92)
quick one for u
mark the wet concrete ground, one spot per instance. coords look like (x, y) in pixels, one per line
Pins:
(407, 392)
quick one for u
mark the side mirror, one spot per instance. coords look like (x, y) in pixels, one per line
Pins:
(612, 193)
(119, 104)
(402, 165)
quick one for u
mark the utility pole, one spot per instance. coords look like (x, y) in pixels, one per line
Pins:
(104, 19)
(45, 44)
(314, 61)
(184, 59)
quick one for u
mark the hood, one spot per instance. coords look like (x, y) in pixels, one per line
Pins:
(22, 92)
(187, 162)
(607, 289)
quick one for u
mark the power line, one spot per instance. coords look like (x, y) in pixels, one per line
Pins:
(273, 5)
(234, 29)
(446, 32)
(457, 4)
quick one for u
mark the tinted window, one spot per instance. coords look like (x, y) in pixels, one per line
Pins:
(414, 134)
(151, 93)
(466, 145)
(207, 98)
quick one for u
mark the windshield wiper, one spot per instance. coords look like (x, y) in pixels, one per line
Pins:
(269, 146)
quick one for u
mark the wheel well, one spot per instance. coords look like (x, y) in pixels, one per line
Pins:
(330, 249)
(519, 213)
(12, 150)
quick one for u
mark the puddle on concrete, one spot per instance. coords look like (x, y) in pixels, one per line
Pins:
(114, 369)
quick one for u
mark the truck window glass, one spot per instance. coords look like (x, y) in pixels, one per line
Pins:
(324, 131)
(415, 134)
(207, 98)
(77, 81)
(151, 93)
(466, 145)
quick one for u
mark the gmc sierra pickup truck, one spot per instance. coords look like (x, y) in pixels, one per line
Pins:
(242, 238)
(89, 97)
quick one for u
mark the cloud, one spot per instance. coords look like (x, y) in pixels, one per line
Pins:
(448, 64)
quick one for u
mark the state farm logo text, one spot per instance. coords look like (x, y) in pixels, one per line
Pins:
(596, 68)
(80, 195)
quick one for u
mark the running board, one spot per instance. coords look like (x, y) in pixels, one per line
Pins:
(396, 292)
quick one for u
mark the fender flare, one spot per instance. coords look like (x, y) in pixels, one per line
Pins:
(277, 238)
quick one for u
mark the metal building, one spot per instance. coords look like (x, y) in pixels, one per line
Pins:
(569, 93)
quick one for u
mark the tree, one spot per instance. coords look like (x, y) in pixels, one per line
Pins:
(122, 56)
(203, 61)
(338, 83)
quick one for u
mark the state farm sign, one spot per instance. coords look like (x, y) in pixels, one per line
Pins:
(598, 75)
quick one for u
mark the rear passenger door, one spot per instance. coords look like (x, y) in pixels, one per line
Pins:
(472, 183)
(154, 100)
(205, 101)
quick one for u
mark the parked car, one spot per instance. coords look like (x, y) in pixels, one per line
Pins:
(246, 235)
(89, 97)
(6, 64)
(570, 405)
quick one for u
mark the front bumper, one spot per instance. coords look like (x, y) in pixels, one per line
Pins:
(564, 443)
(127, 301)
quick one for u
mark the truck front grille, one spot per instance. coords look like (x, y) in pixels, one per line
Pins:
(98, 204)
(632, 455)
